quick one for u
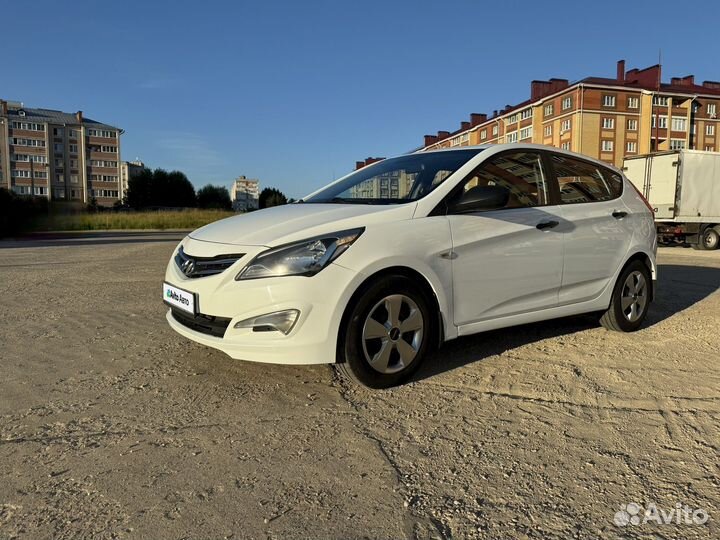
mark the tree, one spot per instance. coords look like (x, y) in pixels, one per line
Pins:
(214, 197)
(160, 188)
(271, 197)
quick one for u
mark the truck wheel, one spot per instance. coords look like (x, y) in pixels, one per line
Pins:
(708, 240)
(630, 299)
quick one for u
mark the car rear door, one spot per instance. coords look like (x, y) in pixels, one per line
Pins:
(507, 261)
(598, 235)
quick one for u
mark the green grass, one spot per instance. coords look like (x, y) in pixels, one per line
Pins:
(178, 219)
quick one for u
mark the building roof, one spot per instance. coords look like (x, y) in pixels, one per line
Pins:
(635, 79)
(54, 117)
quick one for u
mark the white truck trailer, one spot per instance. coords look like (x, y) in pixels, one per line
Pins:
(683, 187)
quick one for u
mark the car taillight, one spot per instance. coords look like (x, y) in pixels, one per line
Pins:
(652, 210)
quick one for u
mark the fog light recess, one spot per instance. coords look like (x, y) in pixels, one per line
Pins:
(278, 321)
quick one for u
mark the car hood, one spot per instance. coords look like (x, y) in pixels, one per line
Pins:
(293, 222)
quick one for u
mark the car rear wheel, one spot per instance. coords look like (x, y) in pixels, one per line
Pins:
(630, 300)
(386, 334)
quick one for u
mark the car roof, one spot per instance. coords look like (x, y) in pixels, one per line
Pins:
(524, 146)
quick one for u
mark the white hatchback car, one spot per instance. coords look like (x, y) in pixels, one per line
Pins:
(379, 267)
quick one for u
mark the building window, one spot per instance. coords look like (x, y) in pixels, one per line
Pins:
(608, 123)
(103, 178)
(660, 101)
(495, 130)
(663, 121)
(511, 137)
(108, 149)
(74, 179)
(20, 173)
(565, 126)
(566, 103)
(527, 113)
(102, 133)
(709, 147)
(710, 129)
(633, 103)
(113, 164)
(565, 146)
(26, 158)
(58, 132)
(679, 123)
(711, 110)
(28, 126)
(59, 163)
(18, 141)
(455, 141)
(73, 148)
(72, 133)
(631, 147)
(548, 131)
(40, 174)
(677, 144)
(632, 124)
(512, 118)
(40, 190)
(607, 146)
(60, 178)
(526, 133)
(483, 134)
(549, 109)
(608, 100)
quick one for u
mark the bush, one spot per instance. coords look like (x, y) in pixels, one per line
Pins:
(214, 197)
(18, 212)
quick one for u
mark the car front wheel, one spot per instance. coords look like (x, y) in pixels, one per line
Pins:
(387, 333)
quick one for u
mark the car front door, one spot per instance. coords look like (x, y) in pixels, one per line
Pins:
(508, 260)
(599, 236)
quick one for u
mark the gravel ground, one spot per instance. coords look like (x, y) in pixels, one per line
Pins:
(112, 426)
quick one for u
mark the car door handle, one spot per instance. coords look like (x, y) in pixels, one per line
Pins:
(547, 225)
(619, 215)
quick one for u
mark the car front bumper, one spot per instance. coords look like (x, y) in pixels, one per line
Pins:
(321, 300)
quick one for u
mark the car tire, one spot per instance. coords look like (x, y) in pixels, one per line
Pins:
(708, 239)
(630, 299)
(387, 333)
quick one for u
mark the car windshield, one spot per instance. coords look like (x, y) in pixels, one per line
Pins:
(395, 180)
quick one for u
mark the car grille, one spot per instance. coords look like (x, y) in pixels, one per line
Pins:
(196, 267)
(205, 324)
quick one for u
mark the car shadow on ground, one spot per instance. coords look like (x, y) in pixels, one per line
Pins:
(679, 287)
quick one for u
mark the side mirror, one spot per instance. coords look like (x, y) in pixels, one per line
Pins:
(480, 198)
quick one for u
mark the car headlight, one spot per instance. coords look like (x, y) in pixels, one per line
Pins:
(304, 258)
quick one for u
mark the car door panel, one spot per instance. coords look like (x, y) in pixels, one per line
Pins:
(503, 264)
(600, 235)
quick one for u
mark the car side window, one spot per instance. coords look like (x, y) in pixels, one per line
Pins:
(582, 182)
(520, 173)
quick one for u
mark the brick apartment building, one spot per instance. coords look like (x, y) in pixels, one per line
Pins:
(605, 118)
(61, 156)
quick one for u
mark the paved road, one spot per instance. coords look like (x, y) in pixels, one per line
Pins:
(112, 426)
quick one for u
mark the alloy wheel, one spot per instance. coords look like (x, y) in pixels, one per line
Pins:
(634, 296)
(392, 333)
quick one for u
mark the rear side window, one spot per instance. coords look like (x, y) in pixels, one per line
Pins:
(582, 182)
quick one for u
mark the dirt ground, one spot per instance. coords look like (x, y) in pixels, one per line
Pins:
(112, 426)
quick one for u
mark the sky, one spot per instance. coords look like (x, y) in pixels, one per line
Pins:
(294, 92)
